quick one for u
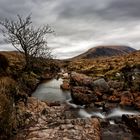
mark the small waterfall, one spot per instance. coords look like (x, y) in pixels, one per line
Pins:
(50, 91)
(118, 112)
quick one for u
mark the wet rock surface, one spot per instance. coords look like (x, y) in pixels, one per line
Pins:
(65, 85)
(58, 122)
(116, 132)
(85, 90)
(109, 95)
(83, 95)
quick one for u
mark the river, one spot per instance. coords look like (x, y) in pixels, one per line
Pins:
(50, 91)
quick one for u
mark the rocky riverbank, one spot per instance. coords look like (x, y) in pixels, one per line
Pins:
(57, 122)
(104, 93)
(109, 94)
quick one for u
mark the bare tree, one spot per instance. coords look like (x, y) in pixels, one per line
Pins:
(27, 39)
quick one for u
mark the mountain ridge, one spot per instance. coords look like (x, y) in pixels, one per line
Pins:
(105, 51)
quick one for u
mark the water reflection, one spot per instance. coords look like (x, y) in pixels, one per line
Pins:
(50, 91)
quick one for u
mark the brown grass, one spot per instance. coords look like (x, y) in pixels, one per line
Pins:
(105, 66)
(7, 110)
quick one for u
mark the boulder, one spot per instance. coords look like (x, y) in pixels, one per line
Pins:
(101, 85)
(83, 95)
(65, 85)
(77, 79)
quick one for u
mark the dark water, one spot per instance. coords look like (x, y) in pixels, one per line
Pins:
(50, 91)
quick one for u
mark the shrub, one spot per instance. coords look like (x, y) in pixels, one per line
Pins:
(4, 63)
(7, 108)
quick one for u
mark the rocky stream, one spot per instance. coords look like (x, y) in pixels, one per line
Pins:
(82, 109)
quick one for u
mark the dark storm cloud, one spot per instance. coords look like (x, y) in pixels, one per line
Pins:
(126, 8)
(104, 9)
(80, 24)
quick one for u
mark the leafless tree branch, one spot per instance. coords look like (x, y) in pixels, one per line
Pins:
(26, 38)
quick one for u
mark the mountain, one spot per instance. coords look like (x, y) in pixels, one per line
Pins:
(105, 51)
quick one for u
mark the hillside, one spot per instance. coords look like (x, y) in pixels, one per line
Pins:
(104, 66)
(105, 51)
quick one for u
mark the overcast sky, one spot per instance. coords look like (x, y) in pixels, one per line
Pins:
(80, 24)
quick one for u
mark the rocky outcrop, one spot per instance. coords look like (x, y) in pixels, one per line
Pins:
(77, 129)
(85, 90)
(100, 85)
(59, 123)
(83, 95)
(77, 79)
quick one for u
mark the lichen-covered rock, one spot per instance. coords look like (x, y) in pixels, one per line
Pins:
(101, 85)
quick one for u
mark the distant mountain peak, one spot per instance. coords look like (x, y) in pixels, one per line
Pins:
(105, 51)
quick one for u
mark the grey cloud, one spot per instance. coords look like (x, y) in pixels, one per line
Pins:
(79, 9)
(80, 24)
(121, 10)
(103, 9)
